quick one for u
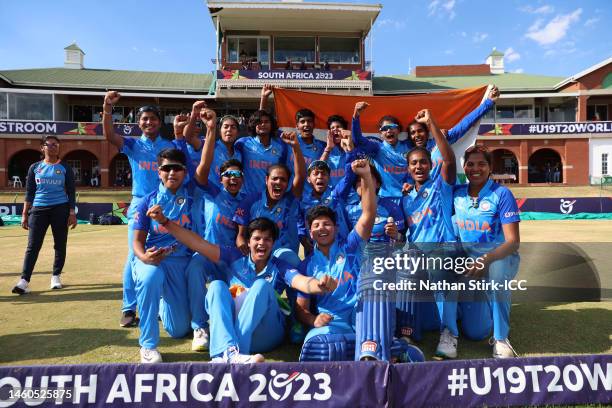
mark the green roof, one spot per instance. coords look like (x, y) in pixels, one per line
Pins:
(505, 82)
(108, 79)
(496, 53)
(74, 47)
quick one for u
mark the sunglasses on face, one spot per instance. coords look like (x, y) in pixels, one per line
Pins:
(172, 167)
(149, 108)
(232, 173)
(389, 127)
(51, 144)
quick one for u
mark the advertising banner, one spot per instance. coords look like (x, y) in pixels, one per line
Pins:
(299, 75)
(18, 127)
(560, 128)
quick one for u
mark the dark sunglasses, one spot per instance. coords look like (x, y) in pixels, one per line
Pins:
(389, 127)
(149, 108)
(232, 173)
(172, 167)
(51, 144)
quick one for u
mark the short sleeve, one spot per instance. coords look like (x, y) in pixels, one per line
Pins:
(303, 270)
(128, 146)
(141, 221)
(229, 254)
(507, 208)
(354, 243)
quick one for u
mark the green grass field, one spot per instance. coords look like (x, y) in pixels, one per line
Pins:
(79, 324)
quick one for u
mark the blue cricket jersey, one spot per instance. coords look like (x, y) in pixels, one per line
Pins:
(220, 156)
(428, 212)
(142, 155)
(331, 199)
(242, 270)
(284, 214)
(336, 161)
(344, 264)
(177, 207)
(482, 221)
(256, 158)
(385, 208)
(50, 184)
(219, 209)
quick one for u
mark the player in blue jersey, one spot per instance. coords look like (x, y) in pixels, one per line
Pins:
(160, 262)
(277, 203)
(50, 200)
(419, 133)
(224, 145)
(321, 193)
(487, 219)
(334, 313)
(334, 152)
(388, 157)
(428, 211)
(142, 155)
(247, 317)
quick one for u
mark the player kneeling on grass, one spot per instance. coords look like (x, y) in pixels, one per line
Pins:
(253, 321)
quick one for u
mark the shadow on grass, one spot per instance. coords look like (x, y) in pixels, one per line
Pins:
(59, 343)
(70, 293)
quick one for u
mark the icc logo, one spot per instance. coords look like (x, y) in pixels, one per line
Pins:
(281, 381)
(127, 129)
(567, 206)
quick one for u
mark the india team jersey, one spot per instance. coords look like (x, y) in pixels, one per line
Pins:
(220, 156)
(50, 182)
(385, 208)
(330, 199)
(311, 152)
(284, 214)
(177, 207)
(242, 270)
(344, 263)
(219, 209)
(256, 158)
(481, 220)
(428, 212)
(142, 154)
(336, 161)
(390, 161)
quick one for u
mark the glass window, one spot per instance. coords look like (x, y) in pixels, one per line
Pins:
(597, 112)
(604, 164)
(264, 53)
(232, 49)
(30, 106)
(294, 49)
(522, 111)
(82, 113)
(3, 106)
(505, 112)
(248, 49)
(339, 50)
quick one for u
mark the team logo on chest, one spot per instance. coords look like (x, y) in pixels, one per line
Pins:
(180, 200)
(278, 210)
(58, 171)
(274, 151)
(425, 194)
(485, 205)
(340, 259)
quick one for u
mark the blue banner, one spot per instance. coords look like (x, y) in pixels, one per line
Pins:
(21, 127)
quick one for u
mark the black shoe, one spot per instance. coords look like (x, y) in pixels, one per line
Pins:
(128, 319)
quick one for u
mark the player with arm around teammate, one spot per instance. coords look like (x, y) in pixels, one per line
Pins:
(253, 322)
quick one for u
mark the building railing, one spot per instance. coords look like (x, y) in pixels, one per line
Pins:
(544, 128)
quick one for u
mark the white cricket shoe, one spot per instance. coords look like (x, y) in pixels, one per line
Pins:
(150, 356)
(22, 287)
(56, 282)
(200, 340)
(233, 356)
(447, 347)
(502, 349)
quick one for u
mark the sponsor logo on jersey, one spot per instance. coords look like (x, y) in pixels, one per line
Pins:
(180, 200)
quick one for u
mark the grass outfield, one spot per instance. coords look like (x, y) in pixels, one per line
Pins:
(79, 324)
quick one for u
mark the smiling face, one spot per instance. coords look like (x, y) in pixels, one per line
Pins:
(390, 133)
(335, 128)
(476, 168)
(50, 148)
(418, 134)
(276, 183)
(264, 126)
(323, 231)
(260, 245)
(171, 173)
(419, 166)
(231, 180)
(319, 179)
(149, 123)
(305, 125)
(229, 131)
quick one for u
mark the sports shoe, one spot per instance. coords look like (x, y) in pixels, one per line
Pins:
(150, 356)
(22, 287)
(232, 356)
(128, 319)
(502, 348)
(447, 347)
(200, 340)
(56, 282)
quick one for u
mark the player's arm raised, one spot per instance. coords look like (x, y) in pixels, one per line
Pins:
(209, 117)
(191, 126)
(188, 238)
(108, 129)
(299, 164)
(449, 167)
(364, 225)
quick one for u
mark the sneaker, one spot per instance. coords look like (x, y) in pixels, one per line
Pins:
(56, 282)
(200, 340)
(232, 356)
(502, 349)
(128, 319)
(22, 287)
(447, 347)
(150, 356)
